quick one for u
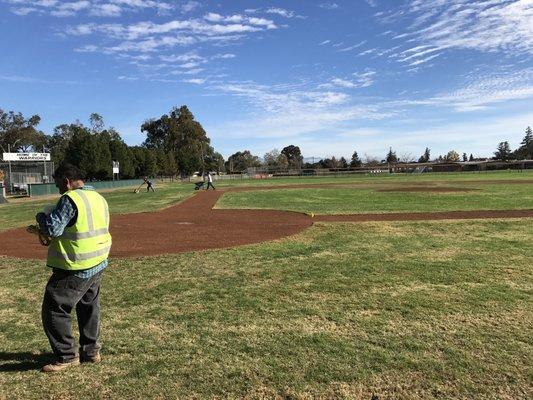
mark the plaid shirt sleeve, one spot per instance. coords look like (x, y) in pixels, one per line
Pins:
(55, 223)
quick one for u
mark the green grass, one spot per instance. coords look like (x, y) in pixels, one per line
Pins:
(382, 178)
(369, 200)
(121, 201)
(411, 310)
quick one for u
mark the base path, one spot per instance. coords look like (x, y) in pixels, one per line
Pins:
(195, 225)
(188, 226)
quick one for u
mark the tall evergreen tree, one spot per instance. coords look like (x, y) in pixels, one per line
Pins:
(503, 152)
(424, 158)
(355, 162)
(391, 156)
(525, 151)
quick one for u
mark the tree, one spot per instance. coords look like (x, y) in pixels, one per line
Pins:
(293, 155)
(452, 156)
(371, 161)
(122, 153)
(343, 163)
(406, 157)
(424, 158)
(355, 162)
(471, 157)
(96, 122)
(178, 133)
(214, 162)
(525, 151)
(240, 161)
(391, 156)
(465, 158)
(503, 152)
(275, 159)
(19, 133)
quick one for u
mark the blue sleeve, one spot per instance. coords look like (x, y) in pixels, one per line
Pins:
(55, 223)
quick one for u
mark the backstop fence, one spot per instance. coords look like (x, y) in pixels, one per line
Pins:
(20, 174)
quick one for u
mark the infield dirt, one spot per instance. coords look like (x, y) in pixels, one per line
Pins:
(194, 225)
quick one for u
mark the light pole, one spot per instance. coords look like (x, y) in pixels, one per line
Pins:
(9, 162)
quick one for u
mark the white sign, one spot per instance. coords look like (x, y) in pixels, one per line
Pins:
(116, 167)
(26, 156)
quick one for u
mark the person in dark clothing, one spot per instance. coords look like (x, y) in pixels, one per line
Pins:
(149, 184)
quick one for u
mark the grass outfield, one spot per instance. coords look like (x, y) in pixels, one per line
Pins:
(411, 310)
(383, 178)
(370, 200)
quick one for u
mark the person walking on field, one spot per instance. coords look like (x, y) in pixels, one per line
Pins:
(209, 179)
(149, 184)
(77, 255)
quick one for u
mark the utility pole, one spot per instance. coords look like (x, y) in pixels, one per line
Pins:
(9, 163)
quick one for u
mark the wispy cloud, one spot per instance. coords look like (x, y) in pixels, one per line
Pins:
(196, 81)
(98, 8)
(356, 81)
(355, 46)
(328, 6)
(482, 25)
(190, 6)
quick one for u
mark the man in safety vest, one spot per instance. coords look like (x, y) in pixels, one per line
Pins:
(78, 252)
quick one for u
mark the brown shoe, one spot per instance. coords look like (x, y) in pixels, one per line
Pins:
(60, 366)
(91, 359)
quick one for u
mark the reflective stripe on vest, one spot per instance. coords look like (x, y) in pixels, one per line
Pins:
(87, 243)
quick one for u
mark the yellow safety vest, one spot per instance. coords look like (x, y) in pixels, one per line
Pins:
(87, 243)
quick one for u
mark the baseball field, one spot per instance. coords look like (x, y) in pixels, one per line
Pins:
(368, 287)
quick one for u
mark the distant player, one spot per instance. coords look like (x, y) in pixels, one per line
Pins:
(209, 179)
(149, 184)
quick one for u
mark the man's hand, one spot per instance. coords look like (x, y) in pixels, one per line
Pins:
(34, 229)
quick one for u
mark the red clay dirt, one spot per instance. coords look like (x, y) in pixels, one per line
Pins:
(194, 225)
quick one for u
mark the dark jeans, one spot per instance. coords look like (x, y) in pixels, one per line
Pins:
(209, 184)
(63, 292)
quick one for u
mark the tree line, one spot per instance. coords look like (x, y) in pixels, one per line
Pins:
(177, 144)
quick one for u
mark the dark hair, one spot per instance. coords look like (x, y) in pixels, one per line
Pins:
(68, 171)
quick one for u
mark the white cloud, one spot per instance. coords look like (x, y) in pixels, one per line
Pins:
(106, 10)
(484, 91)
(329, 6)
(196, 81)
(223, 56)
(355, 46)
(359, 80)
(98, 8)
(190, 6)
(280, 11)
(483, 25)
(186, 57)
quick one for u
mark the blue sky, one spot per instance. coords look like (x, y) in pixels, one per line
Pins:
(330, 77)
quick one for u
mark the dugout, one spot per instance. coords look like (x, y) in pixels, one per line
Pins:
(20, 174)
